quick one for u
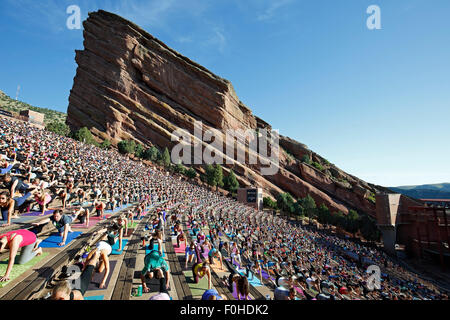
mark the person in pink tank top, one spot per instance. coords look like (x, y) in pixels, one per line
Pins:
(13, 241)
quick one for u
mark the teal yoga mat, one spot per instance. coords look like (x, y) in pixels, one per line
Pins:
(155, 247)
(252, 279)
(115, 247)
(95, 298)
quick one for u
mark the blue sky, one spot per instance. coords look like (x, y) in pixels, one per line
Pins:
(374, 102)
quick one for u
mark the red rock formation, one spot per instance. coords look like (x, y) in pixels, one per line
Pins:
(131, 85)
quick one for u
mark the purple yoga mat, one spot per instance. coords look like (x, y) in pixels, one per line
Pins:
(235, 293)
(37, 213)
(97, 278)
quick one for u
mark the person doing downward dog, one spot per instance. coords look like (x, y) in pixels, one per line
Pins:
(13, 241)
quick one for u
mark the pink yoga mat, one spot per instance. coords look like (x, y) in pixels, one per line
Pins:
(92, 222)
(181, 249)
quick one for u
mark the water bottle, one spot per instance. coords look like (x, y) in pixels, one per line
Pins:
(139, 290)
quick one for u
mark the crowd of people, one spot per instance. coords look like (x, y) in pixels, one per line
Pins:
(44, 171)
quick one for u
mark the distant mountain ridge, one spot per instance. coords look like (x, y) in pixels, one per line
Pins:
(425, 191)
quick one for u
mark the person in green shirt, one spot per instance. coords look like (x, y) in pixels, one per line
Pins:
(154, 266)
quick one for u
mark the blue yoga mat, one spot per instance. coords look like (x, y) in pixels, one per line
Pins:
(155, 247)
(117, 209)
(6, 170)
(94, 298)
(54, 239)
(252, 279)
(115, 247)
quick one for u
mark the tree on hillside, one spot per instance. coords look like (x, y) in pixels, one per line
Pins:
(352, 222)
(230, 182)
(269, 203)
(323, 214)
(190, 173)
(126, 146)
(209, 174)
(218, 175)
(139, 150)
(151, 154)
(286, 203)
(179, 168)
(338, 219)
(306, 159)
(84, 135)
(309, 206)
(106, 144)
(166, 157)
(58, 128)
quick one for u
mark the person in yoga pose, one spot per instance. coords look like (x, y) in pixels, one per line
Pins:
(212, 294)
(190, 254)
(7, 205)
(214, 253)
(199, 270)
(83, 215)
(103, 249)
(157, 238)
(99, 208)
(179, 233)
(154, 266)
(43, 199)
(61, 222)
(63, 291)
(13, 241)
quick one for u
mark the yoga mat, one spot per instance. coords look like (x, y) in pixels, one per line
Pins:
(6, 170)
(17, 220)
(92, 222)
(115, 247)
(266, 275)
(181, 249)
(55, 238)
(235, 293)
(199, 288)
(152, 284)
(117, 209)
(94, 298)
(37, 213)
(18, 269)
(97, 278)
(155, 247)
(252, 279)
(132, 225)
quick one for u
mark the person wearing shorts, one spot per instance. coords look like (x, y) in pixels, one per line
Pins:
(154, 266)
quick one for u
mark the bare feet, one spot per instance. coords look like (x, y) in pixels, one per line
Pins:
(36, 245)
